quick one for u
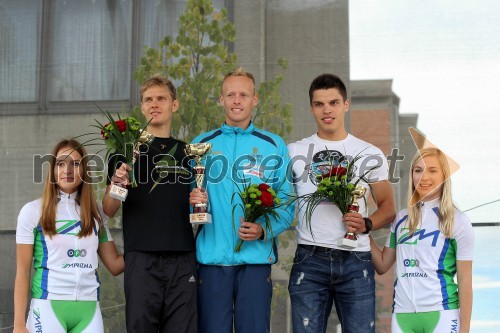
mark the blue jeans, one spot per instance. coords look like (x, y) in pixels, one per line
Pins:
(320, 278)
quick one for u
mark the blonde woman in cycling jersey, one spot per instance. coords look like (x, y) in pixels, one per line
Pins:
(431, 242)
(61, 234)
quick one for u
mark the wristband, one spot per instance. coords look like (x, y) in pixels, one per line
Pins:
(368, 225)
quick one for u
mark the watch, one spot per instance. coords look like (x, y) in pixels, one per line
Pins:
(368, 225)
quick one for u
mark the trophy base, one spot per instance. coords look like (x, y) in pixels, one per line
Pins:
(348, 243)
(118, 192)
(200, 218)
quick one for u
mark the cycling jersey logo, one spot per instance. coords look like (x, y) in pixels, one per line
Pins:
(250, 164)
(412, 275)
(408, 239)
(77, 253)
(38, 323)
(77, 265)
(454, 325)
(411, 263)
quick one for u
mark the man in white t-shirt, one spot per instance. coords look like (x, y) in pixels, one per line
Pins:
(325, 272)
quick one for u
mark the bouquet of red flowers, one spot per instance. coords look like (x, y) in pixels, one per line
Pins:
(339, 186)
(123, 137)
(257, 201)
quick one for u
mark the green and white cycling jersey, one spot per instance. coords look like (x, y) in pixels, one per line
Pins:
(65, 265)
(426, 262)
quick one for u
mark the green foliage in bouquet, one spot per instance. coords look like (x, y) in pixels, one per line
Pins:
(257, 200)
(119, 136)
(335, 186)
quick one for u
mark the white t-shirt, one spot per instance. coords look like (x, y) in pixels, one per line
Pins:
(313, 156)
(65, 265)
(426, 263)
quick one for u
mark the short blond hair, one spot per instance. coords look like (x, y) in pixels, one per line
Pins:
(239, 72)
(161, 81)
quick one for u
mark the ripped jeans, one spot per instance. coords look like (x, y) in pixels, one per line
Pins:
(321, 277)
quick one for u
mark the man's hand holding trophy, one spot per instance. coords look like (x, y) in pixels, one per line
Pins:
(198, 198)
(118, 190)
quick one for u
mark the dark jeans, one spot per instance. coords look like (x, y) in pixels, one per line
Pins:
(160, 292)
(241, 292)
(320, 278)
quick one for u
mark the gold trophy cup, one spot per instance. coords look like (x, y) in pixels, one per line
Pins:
(117, 191)
(350, 239)
(200, 213)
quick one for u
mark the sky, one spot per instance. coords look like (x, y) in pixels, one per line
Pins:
(444, 59)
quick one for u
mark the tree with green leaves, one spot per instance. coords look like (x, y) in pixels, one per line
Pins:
(197, 60)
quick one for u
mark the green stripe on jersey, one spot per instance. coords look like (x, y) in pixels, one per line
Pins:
(38, 255)
(67, 224)
(393, 241)
(450, 269)
(103, 235)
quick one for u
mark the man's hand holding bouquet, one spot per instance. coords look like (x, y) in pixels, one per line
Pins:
(257, 201)
(339, 186)
(122, 138)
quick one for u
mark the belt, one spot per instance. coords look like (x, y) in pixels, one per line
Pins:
(315, 248)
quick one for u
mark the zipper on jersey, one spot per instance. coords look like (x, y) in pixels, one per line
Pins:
(234, 185)
(77, 271)
(73, 214)
(423, 212)
(235, 144)
(410, 280)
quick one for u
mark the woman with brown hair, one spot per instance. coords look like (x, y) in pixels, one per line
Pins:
(62, 233)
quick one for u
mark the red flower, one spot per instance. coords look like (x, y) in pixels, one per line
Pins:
(266, 198)
(335, 171)
(122, 125)
(263, 187)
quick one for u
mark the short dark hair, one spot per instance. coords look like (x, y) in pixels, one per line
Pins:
(327, 81)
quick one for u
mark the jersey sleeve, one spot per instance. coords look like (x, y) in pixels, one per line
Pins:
(284, 190)
(27, 221)
(105, 234)
(391, 241)
(464, 236)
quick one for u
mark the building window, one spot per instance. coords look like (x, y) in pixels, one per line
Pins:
(90, 55)
(19, 22)
(62, 56)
